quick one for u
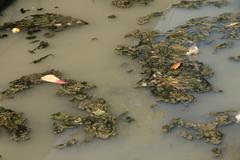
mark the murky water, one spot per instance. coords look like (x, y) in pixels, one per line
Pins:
(78, 57)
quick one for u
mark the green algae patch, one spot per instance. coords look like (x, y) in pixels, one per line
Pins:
(169, 70)
(129, 3)
(15, 124)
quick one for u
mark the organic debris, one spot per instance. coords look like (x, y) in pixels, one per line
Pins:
(74, 88)
(97, 120)
(186, 135)
(95, 116)
(112, 16)
(41, 59)
(224, 45)
(94, 38)
(38, 22)
(42, 45)
(3, 36)
(169, 70)
(235, 58)
(145, 19)
(35, 41)
(48, 21)
(67, 121)
(31, 37)
(129, 3)
(22, 10)
(124, 117)
(69, 143)
(15, 124)
(26, 82)
(49, 34)
(195, 4)
(208, 132)
(40, 9)
(185, 4)
(217, 152)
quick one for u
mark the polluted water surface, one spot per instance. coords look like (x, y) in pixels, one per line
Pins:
(86, 53)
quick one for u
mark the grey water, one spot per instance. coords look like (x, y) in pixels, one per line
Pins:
(78, 57)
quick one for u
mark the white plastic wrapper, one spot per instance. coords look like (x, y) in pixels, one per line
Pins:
(52, 79)
(193, 50)
(238, 117)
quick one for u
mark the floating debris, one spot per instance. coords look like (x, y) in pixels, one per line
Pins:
(69, 143)
(95, 116)
(129, 3)
(217, 152)
(37, 22)
(97, 120)
(232, 24)
(25, 83)
(129, 119)
(52, 79)
(35, 41)
(145, 19)
(3, 36)
(238, 117)
(168, 69)
(122, 3)
(49, 34)
(72, 88)
(130, 71)
(168, 72)
(185, 134)
(31, 37)
(193, 50)
(112, 16)
(41, 59)
(15, 124)
(40, 9)
(176, 66)
(208, 132)
(22, 10)
(66, 121)
(42, 45)
(94, 38)
(195, 4)
(16, 30)
(235, 58)
(224, 45)
(185, 4)
(124, 117)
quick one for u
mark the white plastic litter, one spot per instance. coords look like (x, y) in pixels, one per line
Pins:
(52, 79)
(238, 117)
(16, 30)
(193, 50)
(232, 24)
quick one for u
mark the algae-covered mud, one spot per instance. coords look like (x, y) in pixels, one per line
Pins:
(177, 74)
